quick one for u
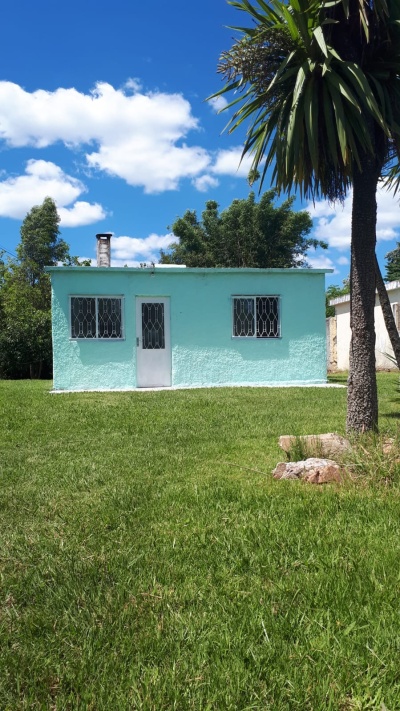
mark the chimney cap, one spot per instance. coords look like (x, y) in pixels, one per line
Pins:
(104, 234)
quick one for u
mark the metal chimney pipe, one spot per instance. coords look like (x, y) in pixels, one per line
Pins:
(104, 249)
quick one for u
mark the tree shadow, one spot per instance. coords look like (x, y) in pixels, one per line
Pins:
(338, 378)
(391, 415)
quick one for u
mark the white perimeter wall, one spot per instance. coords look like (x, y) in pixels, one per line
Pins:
(382, 338)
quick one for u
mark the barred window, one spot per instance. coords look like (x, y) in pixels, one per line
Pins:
(256, 317)
(96, 317)
(153, 328)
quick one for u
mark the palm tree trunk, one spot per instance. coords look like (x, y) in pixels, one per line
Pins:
(387, 313)
(362, 398)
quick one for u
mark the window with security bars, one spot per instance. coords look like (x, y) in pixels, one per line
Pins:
(98, 317)
(256, 317)
(153, 331)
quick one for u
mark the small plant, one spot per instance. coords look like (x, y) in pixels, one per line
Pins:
(393, 360)
(304, 448)
(375, 459)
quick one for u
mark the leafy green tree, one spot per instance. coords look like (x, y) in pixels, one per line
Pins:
(333, 292)
(40, 244)
(25, 333)
(25, 318)
(246, 234)
(393, 264)
(319, 87)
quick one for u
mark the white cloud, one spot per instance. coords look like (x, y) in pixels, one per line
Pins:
(81, 213)
(386, 234)
(343, 261)
(218, 103)
(204, 182)
(138, 137)
(150, 162)
(227, 162)
(321, 262)
(133, 84)
(333, 223)
(133, 250)
(43, 178)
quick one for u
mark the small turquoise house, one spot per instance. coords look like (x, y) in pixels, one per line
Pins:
(126, 328)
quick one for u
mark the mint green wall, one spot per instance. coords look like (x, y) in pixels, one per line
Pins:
(203, 350)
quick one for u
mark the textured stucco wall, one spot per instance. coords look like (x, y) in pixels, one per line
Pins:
(203, 350)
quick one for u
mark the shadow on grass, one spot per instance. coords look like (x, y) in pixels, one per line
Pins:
(337, 378)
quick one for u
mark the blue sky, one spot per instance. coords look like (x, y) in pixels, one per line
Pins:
(102, 107)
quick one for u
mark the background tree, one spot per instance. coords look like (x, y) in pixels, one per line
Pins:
(333, 292)
(40, 244)
(320, 89)
(393, 264)
(25, 329)
(246, 234)
(25, 318)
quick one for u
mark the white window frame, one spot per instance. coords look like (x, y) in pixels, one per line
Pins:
(255, 297)
(96, 297)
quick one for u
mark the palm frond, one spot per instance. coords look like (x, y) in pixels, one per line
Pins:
(309, 111)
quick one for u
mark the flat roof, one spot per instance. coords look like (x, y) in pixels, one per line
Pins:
(179, 269)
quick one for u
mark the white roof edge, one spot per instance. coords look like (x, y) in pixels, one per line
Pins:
(339, 300)
(390, 286)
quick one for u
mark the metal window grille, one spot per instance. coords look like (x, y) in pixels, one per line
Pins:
(267, 317)
(153, 332)
(109, 318)
(256, 317)
(243, 317)
(96, 317)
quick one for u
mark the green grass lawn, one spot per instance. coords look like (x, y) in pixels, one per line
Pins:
(141, 569)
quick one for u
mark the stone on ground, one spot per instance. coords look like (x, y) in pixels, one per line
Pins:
(324, 445)
(314, 470)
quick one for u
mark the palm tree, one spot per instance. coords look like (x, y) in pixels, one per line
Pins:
(319, 83)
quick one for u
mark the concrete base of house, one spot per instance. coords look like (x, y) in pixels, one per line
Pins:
(299, 384)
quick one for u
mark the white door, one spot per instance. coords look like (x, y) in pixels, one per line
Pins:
(153, 342)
